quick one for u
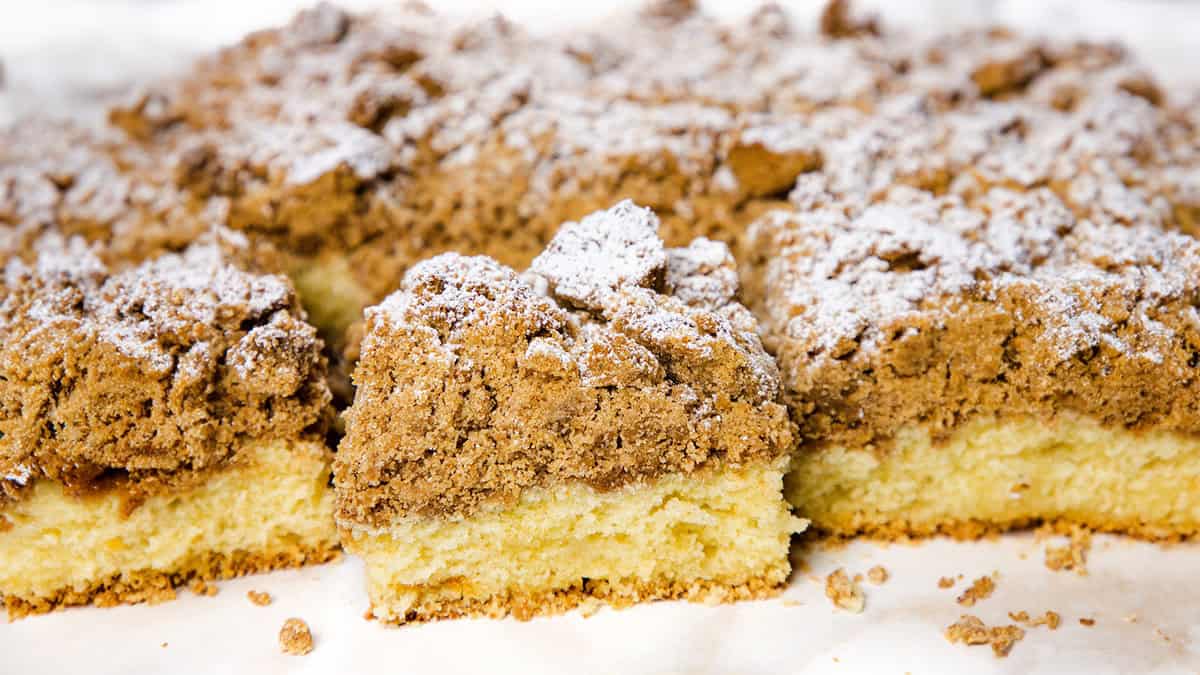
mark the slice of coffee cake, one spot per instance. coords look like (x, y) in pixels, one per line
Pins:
(604, 426)
(984, 360)
(157, 425)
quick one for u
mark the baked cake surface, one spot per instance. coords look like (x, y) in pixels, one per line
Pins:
(362, 144)
(984, 359)
(157, 424)
(603, 426)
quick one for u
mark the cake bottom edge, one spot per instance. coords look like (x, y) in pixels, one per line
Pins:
(587, 595)
(153, 586)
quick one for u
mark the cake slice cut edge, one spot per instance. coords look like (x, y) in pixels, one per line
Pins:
(270, 509)
(602, 428)
(716, 537)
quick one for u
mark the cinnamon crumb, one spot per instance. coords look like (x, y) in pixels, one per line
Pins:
(877, 575)
(844, 593)
(202, 587)
(1087, 622)
(295, 638)
(945, 582)
(980, 589)
(970, 630)
(260, 598)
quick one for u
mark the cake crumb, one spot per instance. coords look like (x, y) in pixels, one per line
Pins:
(295, 638)
(1132, 618)
(5, 524)
(877, 575)
(163, 645)
(970, 630)
(1087, 621)
(202, 587)
(788, 602)
(1050, 619)
(1073, 556)
(945, 582)
(844, 593)
(260, 598)
(980, 589)
(1161, 635)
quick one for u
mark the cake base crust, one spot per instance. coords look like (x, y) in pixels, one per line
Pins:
(155, 586)
(619, 595)
(992, 476)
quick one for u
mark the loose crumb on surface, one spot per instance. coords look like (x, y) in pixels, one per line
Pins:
(1086, 621)
(1050, 619)
(1073, 556)
(844, 593)
(788, 602)
(1132, 618)
(201, 587)
(970, 630)
(980, 589)
(877, 575)
(945, 582)
(164, 645)
(295, 638)
(1161, 635)
(260, 598)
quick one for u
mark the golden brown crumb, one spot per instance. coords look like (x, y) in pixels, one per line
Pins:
(1087, 622)
(858, 578)
(980, 589)
(877, 574)
(788, 602)
(945, 582)
(970, 630)
(5, 524)
(202, 587)
(295, 638)
(1073, 556)
(260, 598)
(164, 645)
(1050, 619)
(844, 593)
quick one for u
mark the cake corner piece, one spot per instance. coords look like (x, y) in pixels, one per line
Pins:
(159, 425)
(602, 427)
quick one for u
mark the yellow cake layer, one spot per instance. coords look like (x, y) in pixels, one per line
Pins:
(997, 474)
(272, 508)
(330, 294)
(707, 536)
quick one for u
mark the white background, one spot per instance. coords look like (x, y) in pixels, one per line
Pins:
(63, 57)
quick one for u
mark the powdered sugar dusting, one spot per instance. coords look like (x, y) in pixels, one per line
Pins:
(588, 260)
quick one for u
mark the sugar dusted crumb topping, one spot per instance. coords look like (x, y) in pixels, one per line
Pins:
(613, 359)
(152, 371)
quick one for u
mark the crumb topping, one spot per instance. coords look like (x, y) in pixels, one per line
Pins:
(980, 589)
(970, 630)
(148, 376)
(941, 308)
(567, 372)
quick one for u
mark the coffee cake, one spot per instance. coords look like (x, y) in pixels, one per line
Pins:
(603, 426)
(359, 145)
(158, 425)
(985, 359)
